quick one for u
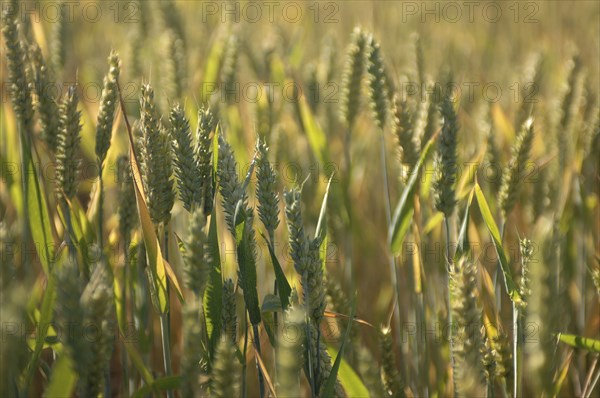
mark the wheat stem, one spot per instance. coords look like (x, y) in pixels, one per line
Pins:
(165, 327)
(449, 270)
(261, 381)
(392, 259)
(244, 363)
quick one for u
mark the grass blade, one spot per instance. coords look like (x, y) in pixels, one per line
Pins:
(46, 312)
(463, 235)
(330, 382)
(405, 208)
(511, 287)
(316, 137)
(353, 385)
(163, 384)
(39, 218)
(63, 380)
(583, 343)
(213, 295)
(283, 286)
(247, 269)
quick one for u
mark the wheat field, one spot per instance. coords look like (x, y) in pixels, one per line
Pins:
(300, 199)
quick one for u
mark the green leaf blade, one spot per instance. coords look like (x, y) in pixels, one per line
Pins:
(405, 208)
(511, 286)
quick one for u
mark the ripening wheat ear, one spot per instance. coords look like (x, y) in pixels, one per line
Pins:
(229, 313)
(446, 161)
(354, 69)
(468, 340)
(526, 249)
(46, 105)
(531, 87)
(187, 172)
(392, 381)
(68, 145)
(156, 167)
(108, 106)
(378, 84)
(595, 272)
(197, 256)
(266, 191)
(513, 176)
(226, 371)
(496, 358)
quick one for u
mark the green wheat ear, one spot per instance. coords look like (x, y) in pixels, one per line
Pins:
(226, 371)
(354, 69)
(68, 145)
(203, 155)
(311, 85)
(58, 38)
(197, 256)
(429, 114)
(266, 191)
(403, 128)
(230, 187)
(492, 153)
(156, 166)
(127, 211)
(290, 359)
(378, 82)
(97, 301)
(468, 343)
(192, 351)
(68, 311)
(46, 105)
(7, 267)
(540, 352)
(108, 106)
(17, 73)
(305, 254)
(229, 68)
(319, 350)
(446, 161)
(390, 377)
(187, 172)
(229, 314)
(514, 174)
(173, 64)
(340, 302)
